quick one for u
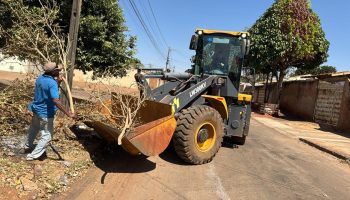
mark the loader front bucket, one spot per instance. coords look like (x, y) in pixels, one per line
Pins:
(152, 134)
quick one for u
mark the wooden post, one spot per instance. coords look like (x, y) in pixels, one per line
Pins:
(73, 39)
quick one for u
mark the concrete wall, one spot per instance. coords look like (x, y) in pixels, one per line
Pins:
(344, 120)
(298, 98)
(126, 81)
(14, 65)
(260, 94)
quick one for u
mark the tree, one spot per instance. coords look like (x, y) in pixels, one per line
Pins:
(33, 34)
(316, 71)
(288, 34)
(103, 45)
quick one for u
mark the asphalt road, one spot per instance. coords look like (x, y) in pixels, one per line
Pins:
(270, 166)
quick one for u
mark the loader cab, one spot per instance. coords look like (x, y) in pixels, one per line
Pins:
(219, 53)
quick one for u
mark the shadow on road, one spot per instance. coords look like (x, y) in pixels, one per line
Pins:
(169, 155)
(328, 128)
(111, 158)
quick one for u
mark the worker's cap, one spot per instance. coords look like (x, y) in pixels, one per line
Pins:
(51, 66)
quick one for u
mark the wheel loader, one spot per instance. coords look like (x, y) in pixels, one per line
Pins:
(192, 111)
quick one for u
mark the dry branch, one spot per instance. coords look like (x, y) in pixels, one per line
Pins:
(115, 106)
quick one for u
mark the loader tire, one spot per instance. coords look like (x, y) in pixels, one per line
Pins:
(198, 135)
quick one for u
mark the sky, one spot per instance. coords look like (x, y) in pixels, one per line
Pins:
(177, 20)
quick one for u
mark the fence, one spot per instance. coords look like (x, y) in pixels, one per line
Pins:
(325, 101)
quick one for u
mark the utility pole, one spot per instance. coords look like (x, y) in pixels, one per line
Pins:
(73, 39)
(167, 60)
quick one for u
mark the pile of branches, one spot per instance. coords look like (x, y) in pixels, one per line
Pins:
(114, 105)
(14, 100)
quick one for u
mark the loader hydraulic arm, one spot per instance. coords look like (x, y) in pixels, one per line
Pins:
(174, 77)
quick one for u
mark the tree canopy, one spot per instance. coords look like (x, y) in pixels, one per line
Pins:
(30, 33)
(288, 34)
(316, 71)
(103, 44)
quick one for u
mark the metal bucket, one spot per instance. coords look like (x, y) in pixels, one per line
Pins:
(152, 134)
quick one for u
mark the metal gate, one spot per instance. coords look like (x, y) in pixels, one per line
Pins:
(328, 102)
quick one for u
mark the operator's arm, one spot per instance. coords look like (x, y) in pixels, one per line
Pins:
(62, 108)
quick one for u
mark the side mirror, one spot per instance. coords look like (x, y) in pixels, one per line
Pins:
(248, 47)
(194, 42)
(245, 46)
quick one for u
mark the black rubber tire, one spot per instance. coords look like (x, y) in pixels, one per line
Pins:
(184, 137)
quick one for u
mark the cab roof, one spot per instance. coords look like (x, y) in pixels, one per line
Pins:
(208, 32)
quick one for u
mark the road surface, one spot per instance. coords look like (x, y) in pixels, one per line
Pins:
(270, 166)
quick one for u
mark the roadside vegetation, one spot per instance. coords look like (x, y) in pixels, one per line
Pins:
(37, 31)
(289, 34)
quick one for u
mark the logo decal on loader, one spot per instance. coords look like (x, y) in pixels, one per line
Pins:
(175, 104)
(198, 89)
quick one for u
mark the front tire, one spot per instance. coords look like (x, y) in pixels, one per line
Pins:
(199, 134)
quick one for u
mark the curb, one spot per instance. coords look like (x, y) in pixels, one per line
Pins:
(331, 152)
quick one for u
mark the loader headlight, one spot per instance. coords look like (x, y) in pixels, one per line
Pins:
(200, 32)
(244, 35)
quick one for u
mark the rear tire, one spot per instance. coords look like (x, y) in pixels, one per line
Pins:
(199, 134)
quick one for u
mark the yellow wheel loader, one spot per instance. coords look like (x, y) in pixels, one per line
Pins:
(193, 110)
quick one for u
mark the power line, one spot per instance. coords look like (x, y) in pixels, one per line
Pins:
(155, 19)
(179, 52)
(144, 26)
(147, 17)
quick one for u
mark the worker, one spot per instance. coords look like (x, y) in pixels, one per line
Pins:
(44, 106)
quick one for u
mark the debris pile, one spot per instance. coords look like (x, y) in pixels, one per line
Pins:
(40, 179)
(13, 107)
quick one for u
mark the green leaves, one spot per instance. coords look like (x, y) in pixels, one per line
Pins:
(288, 34)
(28, 31)
(103, 45)
(316, 71)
